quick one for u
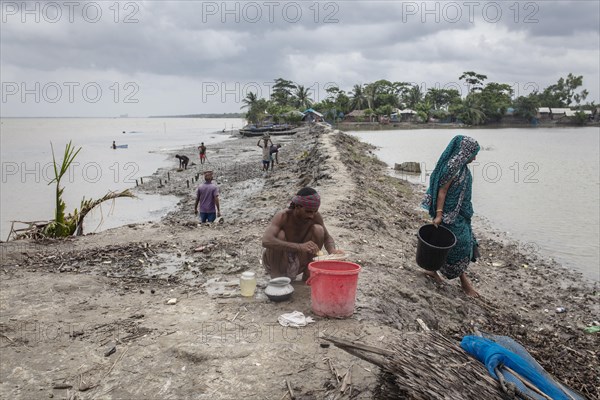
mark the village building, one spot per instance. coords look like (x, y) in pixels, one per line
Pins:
(560, 114)
(357, 116)
(406, 115)
(311, 115)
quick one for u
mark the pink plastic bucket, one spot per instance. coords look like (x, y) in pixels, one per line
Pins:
(333, 285)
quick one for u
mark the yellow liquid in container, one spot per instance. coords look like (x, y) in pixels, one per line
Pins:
(248, 284)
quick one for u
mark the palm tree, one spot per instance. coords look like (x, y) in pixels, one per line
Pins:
(471, 112)
(370, 92)
(250, 100)
(413, 97)
(358, 98)
(303, 99)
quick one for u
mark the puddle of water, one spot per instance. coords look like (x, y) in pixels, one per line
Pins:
(168, 265)
(217, 287)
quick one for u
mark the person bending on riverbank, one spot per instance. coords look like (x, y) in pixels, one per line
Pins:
(207, 196)
(202, 152)
(448, 201)
(183, 161)
(295, 236)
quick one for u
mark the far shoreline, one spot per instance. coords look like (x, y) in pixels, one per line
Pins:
(354, 126)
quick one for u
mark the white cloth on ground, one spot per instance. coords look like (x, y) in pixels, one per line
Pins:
(294, 319)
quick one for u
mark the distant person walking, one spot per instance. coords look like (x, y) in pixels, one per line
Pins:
(202, 151)
(207, 197)
(266, 153)
(114, 145)
(448, 201)
(274, 151)
(266, 138)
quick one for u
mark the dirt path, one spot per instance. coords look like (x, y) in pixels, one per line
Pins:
(65, 304)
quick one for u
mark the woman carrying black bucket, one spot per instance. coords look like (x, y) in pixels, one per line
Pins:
(448, 201)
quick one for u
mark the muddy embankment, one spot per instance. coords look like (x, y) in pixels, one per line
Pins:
(66, 303)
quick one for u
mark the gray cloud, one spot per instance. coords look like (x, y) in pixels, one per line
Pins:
(181, 47)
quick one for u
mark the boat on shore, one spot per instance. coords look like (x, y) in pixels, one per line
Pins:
(281, 129)
(249, 133)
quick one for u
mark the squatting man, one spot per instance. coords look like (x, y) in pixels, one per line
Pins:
(295, 235)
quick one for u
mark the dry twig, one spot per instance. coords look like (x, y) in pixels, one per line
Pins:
(527, 383)
(290, 389)
(347, 381)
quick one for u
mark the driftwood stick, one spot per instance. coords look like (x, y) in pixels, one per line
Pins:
(342, 343)
(290, 390)
(61, 386)
(527, 383)
(380, 361)
(3, 335)
(115, 363)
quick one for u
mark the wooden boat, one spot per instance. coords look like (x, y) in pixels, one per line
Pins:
(251, 133)
(272, 129)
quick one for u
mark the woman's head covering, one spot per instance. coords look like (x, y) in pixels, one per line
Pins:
(452, 164)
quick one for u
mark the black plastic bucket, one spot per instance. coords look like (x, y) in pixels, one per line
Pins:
(433, 246)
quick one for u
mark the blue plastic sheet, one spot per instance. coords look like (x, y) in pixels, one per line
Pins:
(497, 351)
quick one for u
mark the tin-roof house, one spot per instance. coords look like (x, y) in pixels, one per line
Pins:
(406, 115)
(311, 115)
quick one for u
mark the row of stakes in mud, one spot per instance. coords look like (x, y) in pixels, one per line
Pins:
(194, 179)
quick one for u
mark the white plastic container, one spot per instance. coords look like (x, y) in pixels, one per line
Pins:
(248, 283)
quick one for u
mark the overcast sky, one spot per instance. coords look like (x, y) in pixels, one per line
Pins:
(142, 58)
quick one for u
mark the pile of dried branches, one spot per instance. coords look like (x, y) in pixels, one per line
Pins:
(425, 366)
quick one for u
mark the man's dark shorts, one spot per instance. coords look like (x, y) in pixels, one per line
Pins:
(208, 217)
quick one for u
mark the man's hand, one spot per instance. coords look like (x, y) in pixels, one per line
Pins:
(218, 213)
(196, 211)
(309, 247)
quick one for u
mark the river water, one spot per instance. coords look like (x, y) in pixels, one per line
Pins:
(541, 186)
(27, 164)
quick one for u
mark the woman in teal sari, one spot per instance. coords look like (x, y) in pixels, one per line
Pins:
(448, 201)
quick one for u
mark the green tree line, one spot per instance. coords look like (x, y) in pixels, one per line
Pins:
(485, 102)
